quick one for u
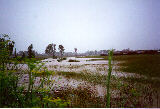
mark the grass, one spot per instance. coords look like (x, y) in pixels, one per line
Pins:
(104, 57)
(109, 77)
(95, 59)
(148, 65)
(96, 79)
(132, 92)
(155, 83)
(144, 64)
(138, 92)
(81, 97)
(59, 60)
(71, 60)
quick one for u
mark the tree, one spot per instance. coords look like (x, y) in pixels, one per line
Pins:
(15, 53)
(61, 50)
(75, 49)
(95, 52)
(11, 46)
(6, 43)
(23, 55)
(5, 50)
(31, 53)
(51, 49)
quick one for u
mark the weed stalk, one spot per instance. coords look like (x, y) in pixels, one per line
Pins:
(109, 77)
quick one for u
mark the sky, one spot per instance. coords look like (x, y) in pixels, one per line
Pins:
(82, 24)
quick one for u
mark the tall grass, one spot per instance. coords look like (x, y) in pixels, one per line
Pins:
(148, 65)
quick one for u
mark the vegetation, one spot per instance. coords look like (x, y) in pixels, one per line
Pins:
(81, 97)
(31, 53)
(130, 91)
(103, 57)
(95, 79)
(51, 49)
(108, 78)
(144, 64)
(75, 49)
(61, 50)
(148, 65)
(59, 60)
(15, 95)
(71, 60)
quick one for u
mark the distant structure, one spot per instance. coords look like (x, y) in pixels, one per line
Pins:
(94, 53)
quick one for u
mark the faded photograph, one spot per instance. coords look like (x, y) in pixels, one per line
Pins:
(79, 53)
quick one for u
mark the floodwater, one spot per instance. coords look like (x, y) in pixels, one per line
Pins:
(85, 66)
(59, 82)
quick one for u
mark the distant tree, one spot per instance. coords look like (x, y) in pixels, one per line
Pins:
(20, 53)
(75, 49)
(51, 49)
(11, 46)
(31, 53)
(95, 52)
(15, 53)
(23, 55)
(61, 50)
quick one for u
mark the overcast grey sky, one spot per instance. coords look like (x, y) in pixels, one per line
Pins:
(85, 24)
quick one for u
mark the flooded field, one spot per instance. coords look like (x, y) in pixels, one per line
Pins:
(88, 75)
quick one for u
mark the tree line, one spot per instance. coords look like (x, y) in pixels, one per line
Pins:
(50, 49)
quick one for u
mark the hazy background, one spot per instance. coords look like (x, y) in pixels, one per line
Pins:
(85, 24)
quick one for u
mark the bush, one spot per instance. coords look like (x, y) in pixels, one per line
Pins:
(59, 60)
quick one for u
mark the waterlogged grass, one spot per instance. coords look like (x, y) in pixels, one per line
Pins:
(132, 92)
(81, 97)
(92, 78)
(97, 79)
(154, 82)
(138, 92)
